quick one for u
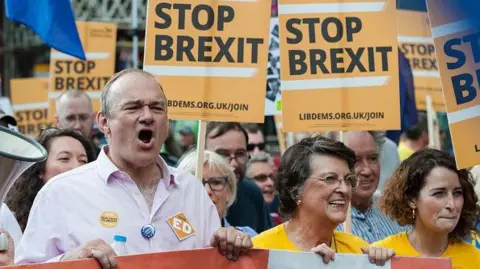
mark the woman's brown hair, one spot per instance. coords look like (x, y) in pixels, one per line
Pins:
(410, 177)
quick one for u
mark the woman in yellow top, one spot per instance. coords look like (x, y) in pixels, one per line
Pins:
(428, 192)
(314, 184)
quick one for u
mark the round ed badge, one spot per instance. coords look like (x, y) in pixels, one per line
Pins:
(148, 231)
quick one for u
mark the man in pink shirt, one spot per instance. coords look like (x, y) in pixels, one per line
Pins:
(129, 190)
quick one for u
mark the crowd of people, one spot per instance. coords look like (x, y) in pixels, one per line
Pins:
(405, 200)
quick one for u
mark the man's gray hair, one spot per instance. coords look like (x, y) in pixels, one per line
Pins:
(378, 137)
(105, 99)
(259, 158)
(72, 93)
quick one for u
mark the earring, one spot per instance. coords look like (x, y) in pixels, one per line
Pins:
(413, 213)
(299, 202)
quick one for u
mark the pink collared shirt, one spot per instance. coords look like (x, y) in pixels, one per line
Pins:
(98, 200)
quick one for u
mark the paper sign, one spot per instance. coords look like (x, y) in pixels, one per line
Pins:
(253, 259)
(30, 104)
(210, 57)
(273, 97)
(339, 65)
(66, 72)
(416, 42)
(457, 35)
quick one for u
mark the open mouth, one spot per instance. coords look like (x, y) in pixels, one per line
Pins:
(145, 136)
(337, 203)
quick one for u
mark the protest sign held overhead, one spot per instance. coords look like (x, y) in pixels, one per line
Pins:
(416, 42)
(30, 104)
(456, 35)
(339, 65)
(210, 57)
(91, 75)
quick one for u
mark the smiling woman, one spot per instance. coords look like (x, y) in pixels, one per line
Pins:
(428, 192)
(314, 182)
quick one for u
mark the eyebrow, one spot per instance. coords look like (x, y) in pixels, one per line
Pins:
(139, 102)
(69, 153)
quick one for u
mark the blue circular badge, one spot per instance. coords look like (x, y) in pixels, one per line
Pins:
(148, 231)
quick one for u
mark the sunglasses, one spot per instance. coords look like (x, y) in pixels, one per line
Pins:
(260, 146)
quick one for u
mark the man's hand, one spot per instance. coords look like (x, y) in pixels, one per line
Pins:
(97, 249)
(7, 249)
(231, 242)
(378, 255)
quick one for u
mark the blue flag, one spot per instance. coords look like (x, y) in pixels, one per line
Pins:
(52, 20)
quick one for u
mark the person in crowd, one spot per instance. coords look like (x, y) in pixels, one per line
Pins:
(314, 182)
(170, 151)
(476, 176)
(260, 170)
(129, 188)
(428, 192)
(367, 220)
(67, 149)
(6, 119)
(219, 181)
(413, 139)
(74, 111)
(256, 139)
(186, 138)
(389, 161)
(230, 140)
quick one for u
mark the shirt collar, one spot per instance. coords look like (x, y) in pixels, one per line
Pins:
(361, 215)
(107, 169)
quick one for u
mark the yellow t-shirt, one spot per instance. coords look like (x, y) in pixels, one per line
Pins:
(404, 152)
(277, 238)
(463, 255)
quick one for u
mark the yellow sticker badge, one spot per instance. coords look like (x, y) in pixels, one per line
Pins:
(109, 219)
(181, 226)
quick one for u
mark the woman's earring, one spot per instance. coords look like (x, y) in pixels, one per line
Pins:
(413, 213)
(299, 202)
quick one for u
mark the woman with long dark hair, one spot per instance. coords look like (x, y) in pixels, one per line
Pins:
(67, 149)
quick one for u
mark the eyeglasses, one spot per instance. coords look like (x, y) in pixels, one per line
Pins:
(263, 177)
(333, 179)
(216, 183)
(239, 156)
(252, 146)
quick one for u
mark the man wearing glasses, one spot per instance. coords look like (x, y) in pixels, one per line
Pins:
(229, 139)
(256, 139)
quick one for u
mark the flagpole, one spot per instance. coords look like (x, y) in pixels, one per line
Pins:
(135, 33)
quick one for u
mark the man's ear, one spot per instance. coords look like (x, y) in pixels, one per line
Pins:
(102, 123)
(56, 121)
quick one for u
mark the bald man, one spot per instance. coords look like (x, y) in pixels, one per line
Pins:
(75, 111)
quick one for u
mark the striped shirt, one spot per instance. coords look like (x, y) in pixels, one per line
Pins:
(372, 225)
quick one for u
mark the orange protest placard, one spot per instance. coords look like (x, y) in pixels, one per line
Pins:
(30, 104)
(66, 72)
(416, 42)
(339, 65)
(210, 57)
(457, 43)
(253, 259)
